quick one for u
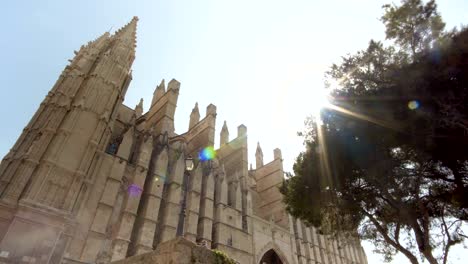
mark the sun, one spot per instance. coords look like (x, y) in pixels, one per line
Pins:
(319, 100)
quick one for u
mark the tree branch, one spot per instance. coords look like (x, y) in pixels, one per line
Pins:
(389, 240)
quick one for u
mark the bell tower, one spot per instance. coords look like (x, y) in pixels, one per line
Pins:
(46, 171)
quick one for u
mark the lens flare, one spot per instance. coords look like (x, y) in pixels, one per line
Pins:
(134, 190)
(207, 153)
(413, 105)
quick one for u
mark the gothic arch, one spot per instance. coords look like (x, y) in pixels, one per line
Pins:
(272, 246)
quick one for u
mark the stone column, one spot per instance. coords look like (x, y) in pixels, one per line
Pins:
(308, 246)
(315, 246)
(205, 224)
(220, 203)
(132, 201)
(172, 207)
(300, 242)
(152, 195)
(293, 243)
(336, 251)
(323, 251)
(193, 203)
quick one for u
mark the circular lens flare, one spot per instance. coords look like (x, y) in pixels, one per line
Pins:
(134, 190)
(207, 153)
(413, 105)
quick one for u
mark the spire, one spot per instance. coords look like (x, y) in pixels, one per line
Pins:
(258, 156)
(159, 92)
(99, 41)
(224, 135)
(194, 116)
(127, 33)
(139, 108)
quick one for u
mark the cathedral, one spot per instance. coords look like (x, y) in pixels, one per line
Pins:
(91, 180)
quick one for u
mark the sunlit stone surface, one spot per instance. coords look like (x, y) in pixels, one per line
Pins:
(91, 180)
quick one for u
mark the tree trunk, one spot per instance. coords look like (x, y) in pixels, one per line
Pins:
(423, 247)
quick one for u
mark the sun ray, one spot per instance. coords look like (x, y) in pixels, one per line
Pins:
(373, 120)
(323, 153)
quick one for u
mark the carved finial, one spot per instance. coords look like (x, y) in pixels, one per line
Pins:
(258, 156)
(159, 92)
(139, 108)
(194, 116)
(224, 136)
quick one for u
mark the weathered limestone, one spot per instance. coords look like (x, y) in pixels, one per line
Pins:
(151, 200)
(158, 92)
(194, 116)
(205, 220)
(91, 180)
(258, 157)
(58, 146)
(177, 250)
(131, 203)
(172, 209)
(193, 203)
(224, 135)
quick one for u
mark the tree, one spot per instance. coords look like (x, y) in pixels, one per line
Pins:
(389, 156)
(413, 26)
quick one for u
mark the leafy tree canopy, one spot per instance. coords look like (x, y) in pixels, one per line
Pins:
(388, 158)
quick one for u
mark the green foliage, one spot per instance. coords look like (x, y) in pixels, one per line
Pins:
(222, 258)
(389, 158)
(413, 26)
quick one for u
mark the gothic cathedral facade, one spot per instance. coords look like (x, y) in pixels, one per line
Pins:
(91, 180)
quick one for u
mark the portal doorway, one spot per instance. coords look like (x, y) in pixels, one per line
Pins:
(271, 257)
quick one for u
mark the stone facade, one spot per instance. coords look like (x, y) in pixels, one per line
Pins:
(175, 251)
(91, 180)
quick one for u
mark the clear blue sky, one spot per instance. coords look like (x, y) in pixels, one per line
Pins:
(260, 62)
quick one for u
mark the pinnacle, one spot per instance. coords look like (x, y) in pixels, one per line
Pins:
(128, 32)
(195, 110)
(224, 126)
(140, 104)
(259, 149)
(158, 92)
(162, 86)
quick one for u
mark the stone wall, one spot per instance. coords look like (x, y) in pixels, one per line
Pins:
(175, 251)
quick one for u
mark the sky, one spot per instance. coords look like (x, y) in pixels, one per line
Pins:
(260, 62)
